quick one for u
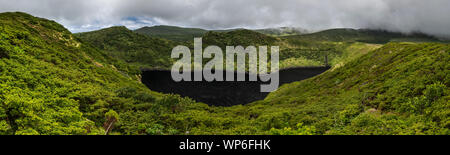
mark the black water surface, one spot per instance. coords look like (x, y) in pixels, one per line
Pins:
(222, 93)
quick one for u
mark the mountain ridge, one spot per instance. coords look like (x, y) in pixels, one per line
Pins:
(171, 32)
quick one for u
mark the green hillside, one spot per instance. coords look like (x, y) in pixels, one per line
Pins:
(172, 32)
(133, 48)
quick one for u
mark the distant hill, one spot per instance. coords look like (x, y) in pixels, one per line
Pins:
(134, 48)
(361, 35)
(172, 32)
(282, 31)
(292, 33)
(186, 34)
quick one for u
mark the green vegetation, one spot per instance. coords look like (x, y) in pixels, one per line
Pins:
(53, 82)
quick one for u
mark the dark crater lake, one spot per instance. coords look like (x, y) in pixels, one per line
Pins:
(222, 93)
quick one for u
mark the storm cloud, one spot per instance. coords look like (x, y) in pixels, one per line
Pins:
(407, 16)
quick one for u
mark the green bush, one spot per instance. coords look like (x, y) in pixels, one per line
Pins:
(434, 91)
(300, 130)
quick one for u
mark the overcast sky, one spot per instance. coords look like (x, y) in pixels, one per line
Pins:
(427, 16)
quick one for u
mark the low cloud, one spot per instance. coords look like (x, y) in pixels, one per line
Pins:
(430, 17)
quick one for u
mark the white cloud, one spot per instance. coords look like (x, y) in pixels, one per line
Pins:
(431, 17)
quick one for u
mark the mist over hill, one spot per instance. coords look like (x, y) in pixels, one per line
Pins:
(283, 31)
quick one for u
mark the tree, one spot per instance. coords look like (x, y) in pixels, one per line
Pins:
(111, 118)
